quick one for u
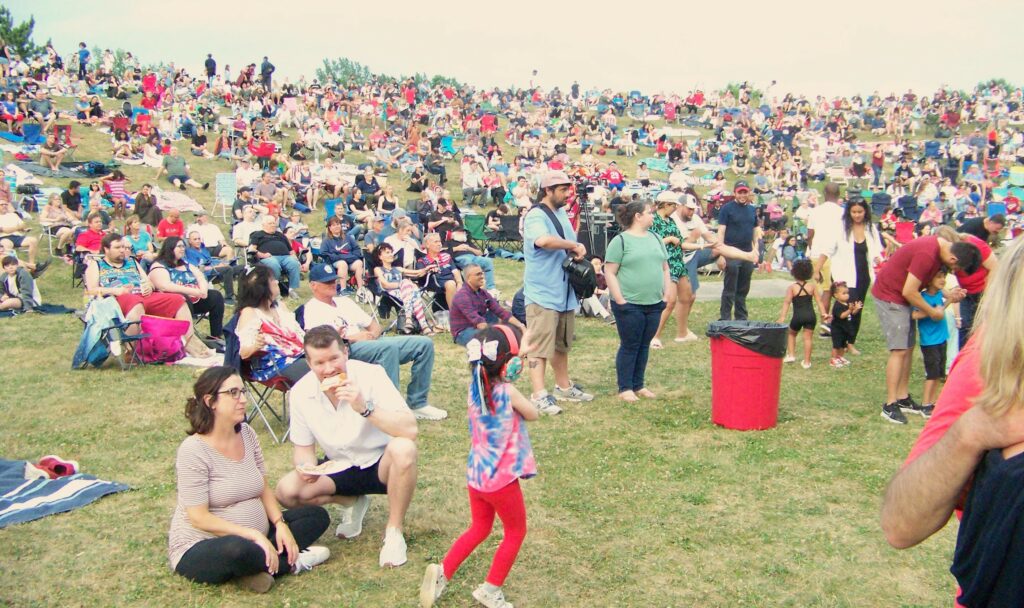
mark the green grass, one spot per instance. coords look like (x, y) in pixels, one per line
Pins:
(645, 505)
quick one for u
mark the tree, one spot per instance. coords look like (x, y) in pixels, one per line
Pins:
(18, 37)
(342, 69)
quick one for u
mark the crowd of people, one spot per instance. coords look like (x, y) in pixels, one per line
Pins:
(429, 262)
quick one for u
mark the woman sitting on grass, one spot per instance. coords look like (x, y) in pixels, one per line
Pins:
(227, 524)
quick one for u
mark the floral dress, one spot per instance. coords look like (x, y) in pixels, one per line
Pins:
(664, 227)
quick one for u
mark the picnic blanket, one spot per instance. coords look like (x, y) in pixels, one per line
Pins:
(657, 164)
(676, 132)
(168, 199)
(23, 499)
(66, 170)
(21, 176)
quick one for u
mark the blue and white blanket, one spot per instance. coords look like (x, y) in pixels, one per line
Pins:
(24, 500)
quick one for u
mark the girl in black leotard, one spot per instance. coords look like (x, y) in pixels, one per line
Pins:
(803, 295)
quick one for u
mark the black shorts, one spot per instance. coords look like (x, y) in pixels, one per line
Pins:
(798, 323)
(841, 334)
(354, 481)
(934, 361)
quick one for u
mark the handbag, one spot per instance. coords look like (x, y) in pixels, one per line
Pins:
(580, 273)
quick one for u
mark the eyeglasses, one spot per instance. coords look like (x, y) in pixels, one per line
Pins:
(236, 393)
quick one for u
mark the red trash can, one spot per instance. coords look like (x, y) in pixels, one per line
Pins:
(746, 373)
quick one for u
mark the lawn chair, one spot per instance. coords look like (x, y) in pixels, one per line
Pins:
(225, 188)
(905, 232)
(259, 392)
(143, 124)
(508, 236)
(120, 123)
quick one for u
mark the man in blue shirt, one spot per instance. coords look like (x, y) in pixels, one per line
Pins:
(198, 255)
(736, 223)
(550, 300)
(83, 60)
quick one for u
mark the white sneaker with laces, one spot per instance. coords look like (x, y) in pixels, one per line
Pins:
(313, 556)
(393, 553)
(433, 585)
(788, 359)
(491, 599)
(573, 393)
(352, 516)
(429, 412)
(545, 404)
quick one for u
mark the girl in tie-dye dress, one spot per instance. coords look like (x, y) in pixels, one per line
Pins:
(499, 456)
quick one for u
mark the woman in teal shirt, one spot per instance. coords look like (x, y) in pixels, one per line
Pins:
(636, 268)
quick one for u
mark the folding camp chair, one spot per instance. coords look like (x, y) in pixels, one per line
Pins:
(143, 124)
(121, 345)
(259, 392)
(226, 186)
(508, 236)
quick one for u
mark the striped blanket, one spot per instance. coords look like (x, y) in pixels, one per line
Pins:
(24, 500)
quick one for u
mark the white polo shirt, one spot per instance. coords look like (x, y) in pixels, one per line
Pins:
(344, 435)
(344, 316)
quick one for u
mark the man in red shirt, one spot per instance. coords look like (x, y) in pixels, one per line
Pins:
(897, 292)
(171, 225)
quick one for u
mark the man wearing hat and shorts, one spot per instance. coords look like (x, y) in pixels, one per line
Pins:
(736, 228)
(550, 300)
(697, 253)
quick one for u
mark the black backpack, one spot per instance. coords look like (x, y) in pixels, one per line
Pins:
(581, 273)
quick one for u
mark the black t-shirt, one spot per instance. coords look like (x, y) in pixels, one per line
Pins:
(199, 140)
(975, 226)
(71, 201)
(274, 244)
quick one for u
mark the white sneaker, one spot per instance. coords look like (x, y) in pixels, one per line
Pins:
(545, 404)
(310, 558)
(805, 365)
(491, 599)
(393, 553)
(352, 516)
(574, 393)
(429, 412)
(115, 348)
(433, 585)
(788, 359)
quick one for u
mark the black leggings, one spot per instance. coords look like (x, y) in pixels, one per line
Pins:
(213, 304)
(218, 560)
(857, 295)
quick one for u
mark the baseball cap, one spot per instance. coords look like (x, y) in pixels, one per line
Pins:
(200, 214)
(667, 196)
(554, 178)
(322, 273)
(690, 201)
(741, 185)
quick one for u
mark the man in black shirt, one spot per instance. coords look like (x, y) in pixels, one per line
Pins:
(72, 198)
(737, 220)
(199, 143)
(443, 219)
(245, 200)
(274, 251)
(211, 69)
(984, 227)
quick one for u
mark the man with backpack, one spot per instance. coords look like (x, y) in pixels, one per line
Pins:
(551, 302)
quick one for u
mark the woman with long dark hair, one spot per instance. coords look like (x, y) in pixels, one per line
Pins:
(269, 337)
(227, 524)
(171, 273)
(854, 255)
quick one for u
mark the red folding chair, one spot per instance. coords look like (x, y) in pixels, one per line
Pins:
(904, 232)
(143, 124)
(120, 123)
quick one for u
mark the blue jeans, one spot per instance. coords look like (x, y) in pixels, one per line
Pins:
(701, 258)
(877, 181)
(391, 353)
(637, 324)
(968, 308)
(485, 264)
(467, 334)
(286, 263)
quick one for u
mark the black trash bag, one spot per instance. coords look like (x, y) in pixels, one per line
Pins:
(768, 339)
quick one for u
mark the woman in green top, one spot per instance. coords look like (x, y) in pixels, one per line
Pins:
(666, 228)
(636, 268)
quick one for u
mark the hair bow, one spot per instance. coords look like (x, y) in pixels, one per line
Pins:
(475, 349)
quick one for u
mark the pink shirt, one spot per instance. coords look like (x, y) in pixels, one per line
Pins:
(500, 450)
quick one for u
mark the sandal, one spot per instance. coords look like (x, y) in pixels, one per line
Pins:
(656, 343)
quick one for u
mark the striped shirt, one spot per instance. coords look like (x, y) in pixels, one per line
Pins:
(231, 489)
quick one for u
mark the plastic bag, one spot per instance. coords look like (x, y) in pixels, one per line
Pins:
(768, 339)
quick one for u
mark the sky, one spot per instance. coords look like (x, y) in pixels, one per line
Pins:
(806, 46)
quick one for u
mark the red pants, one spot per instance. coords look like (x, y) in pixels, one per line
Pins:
(508, 504)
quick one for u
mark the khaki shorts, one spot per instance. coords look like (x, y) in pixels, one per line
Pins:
(550, 330)
(825, 284)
